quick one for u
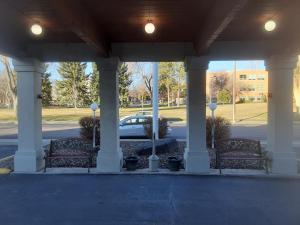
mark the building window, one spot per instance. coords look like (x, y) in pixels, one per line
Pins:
(252, 77)
(251, 88)
(260, 77)
(260, 88)
(243, 77)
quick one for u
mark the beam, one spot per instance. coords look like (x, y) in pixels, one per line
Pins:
(73, 14)
(221, 15)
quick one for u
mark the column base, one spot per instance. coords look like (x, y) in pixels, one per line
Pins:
(196, 162)
(153, 163)
(284, 163)
(110, 161)
(28, 162)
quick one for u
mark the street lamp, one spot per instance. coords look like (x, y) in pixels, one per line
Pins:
(94, 107)
(213, 106)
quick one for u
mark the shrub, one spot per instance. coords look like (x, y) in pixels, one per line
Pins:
(222, 129)
(162, 130)
(86, 128)
(224, 96)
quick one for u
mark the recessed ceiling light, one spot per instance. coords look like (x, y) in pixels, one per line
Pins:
(270, 25)
(36, 29)
(149, 28)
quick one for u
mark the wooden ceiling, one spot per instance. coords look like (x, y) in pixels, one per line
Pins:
(100, 23)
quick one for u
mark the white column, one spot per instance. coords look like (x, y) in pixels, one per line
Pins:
(196, 154)
(110, 156)
(280, 113)
(29, 157)
(155, 100)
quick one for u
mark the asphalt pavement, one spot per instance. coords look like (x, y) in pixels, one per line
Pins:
(148, 199)
(52, 131)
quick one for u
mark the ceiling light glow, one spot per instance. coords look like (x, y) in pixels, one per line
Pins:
(149, 28)
(270, 25)
(36, 29)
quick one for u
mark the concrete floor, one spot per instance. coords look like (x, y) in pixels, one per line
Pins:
(148, 200)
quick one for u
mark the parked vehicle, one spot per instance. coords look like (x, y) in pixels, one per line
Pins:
(133, 126)
(144, 113)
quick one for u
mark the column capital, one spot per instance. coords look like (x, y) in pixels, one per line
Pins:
(28, 65)
(108, 64)
(286, 62)
(196, 63)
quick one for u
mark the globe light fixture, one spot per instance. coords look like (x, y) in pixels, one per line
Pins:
(94, 107)
(149, 28)
(36, 29)
(270, 25)
(213, 106)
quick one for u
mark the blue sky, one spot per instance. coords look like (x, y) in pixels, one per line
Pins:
(213, 66)
(241, 65)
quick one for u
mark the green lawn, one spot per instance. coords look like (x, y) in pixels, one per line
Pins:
(244, 112)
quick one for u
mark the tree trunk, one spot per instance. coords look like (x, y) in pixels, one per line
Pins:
(15, 104)
(168, 90)
(178, 97)
(178, 91)
(75, 96)
(142, 102)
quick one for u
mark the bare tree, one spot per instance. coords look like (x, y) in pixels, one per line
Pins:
(4, 94)
(146, 74)
(148, 84)
(10, 75)
(142, 94)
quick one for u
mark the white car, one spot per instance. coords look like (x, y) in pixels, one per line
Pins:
(133, 126)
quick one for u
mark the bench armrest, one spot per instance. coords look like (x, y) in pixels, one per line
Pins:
(266, 155)
(47, 153)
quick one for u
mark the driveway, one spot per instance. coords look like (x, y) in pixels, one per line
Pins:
(53, 131)
(148, 200)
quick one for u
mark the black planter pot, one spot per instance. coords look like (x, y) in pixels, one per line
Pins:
(131, 163)
(174, 163)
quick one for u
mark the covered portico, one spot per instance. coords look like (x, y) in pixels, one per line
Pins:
(195, 32)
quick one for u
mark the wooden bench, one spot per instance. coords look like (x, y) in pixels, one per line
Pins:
(69, 149)
(241, 149)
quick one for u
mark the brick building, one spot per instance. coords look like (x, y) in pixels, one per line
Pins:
(250, 85)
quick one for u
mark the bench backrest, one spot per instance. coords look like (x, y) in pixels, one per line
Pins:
(70, 143)
(238, 145)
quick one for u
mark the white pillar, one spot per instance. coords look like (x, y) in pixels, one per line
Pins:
(155, 100)
(280, 113)
(196, 154)
(29, 157)
(110, 156)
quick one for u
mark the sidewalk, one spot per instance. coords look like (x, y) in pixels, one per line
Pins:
(296, 143)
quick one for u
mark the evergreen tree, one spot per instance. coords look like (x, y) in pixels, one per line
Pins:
(46, 89)
(73, 88)
(125, 81)
(94, 86)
